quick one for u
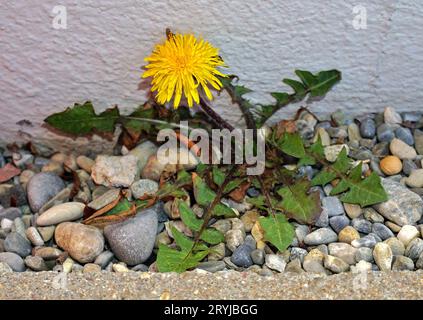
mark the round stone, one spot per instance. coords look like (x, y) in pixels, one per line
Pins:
(83, 243)
(353, 210)
(41, 188)
(405, 135)
(385, 133)
(383, 256)
(13, 261)
(241, 256)
(257, 256)
(144, 187)
(368, 128)
(414, 249)
(402, 150)
(91, 268)
(415, 180)
(397, 247)
(36, 263)
(362, 225)
(348, 235)
(338, 223)
(15, 243)
(336, 265)
(408, 233)
(390, 165)
(382, 231)
(321, 236)
(64, 212)
(402, 263)
(333, 206)
(104, 259)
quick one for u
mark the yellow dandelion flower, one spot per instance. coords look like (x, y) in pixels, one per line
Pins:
(180, 65)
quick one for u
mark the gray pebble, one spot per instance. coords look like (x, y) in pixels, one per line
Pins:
(212, 266)
(257, 256)
(13, 260)
(385, 133)
(321, 236)
(364, 253)
(339, 222)
(382, 231)
(333, 206)
(405, 135)
(104, 259)
(41, 188)
(323, 220)
(366, 241)
(414, 249)
(241, 256)
(15, 243)
(408, 166)
(402, 263)
(362, 225)
(140, 268)
(368, 128)
(298, 253)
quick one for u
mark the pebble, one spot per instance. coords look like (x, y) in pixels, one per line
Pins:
(257, 256)
(323, 220)
(143, 152)
(301, 231)
(212, 266)
(352, 210)
(402, 263)
(324, 137)
(104, 258)
(4, 267)
(382, 231)
(418, 141)
(46, 233)
(14, 261)
(343, 251)
(333, 206)
(294, 266)
(36, 263)
(381, 149)
(407, 234)
(348, 235)
(408, 166)
(91, 268)
(367, 241)
(390, 165)
(368, 128)
(83, 243)
(298, 253)
(34, 236)
(364, 254)
(394, 227)
(103, 200)
(41, 188)
(115, 171)
(414, 249)
(120, 268)
(361, 267)
(64, 212)
(391, 116)
(403, 206)
(385, 133)
(249, 218)
(85, 163)
(321, 236)
(338, 223)
(144, 187)
(354, 132)
(373, 216)
(332, 152)
(405, 135)
(402, 150)
(48, 253)
(223, 225)
(313, 262)
(241, 256)
(10, 213)
(362, 225)
(68, 265)
(234, 238)
(132, 241)
(336, 265)
(275, 262)
(15, 243)
(217, 252)
(383, 256)
(140, 268)
(397, 247)
(415, 180)
(6, 224)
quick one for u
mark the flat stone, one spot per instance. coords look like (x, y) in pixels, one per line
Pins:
(368, 128)
(402, 150)
(83, 243)
(41, 188)
(46, 232)
(364, 254)
(105, 199)
(403, 207)
(415, 180)
(382, 231)
(132, 241)
(144, 187)
(115, 171)
(338, 223)
(397, 247)
(414, 249)
(402, 263)
(15, 243)
(321, 236)
(212, 266)
(343, 251)
(373, 216)
(336, 265)
(362, 225)
(48, 253)
(405, 135)
(64, 212)
(13, 261)
(91, 268)
(391, 116)
(36, 263)
(383, 256)
(10, 213)
(385, 133)
(367, 241)
(275, 262)
(353, 210)
(333, 206)
(348, 235)
(407, 234)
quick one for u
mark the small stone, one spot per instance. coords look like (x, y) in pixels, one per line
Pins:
(41, 188)
(368, 128)
(332, 152)
(371, 215)
(338, 223)
(212, 266)
(368, 241)
(48, 253)
(104, 259)
(13, 261)
(85, 163)
(323, 248)
(249, 218)
(217, 252)
(313, 262)
(362, 225)
(405, 135)
(335, 264)
(257, 256)
(234, 238)
(382, 231)
(144, 187)
(294, 266)
(132, 241)
(301, 231)
(140, 268)
(402, 150)
(240, 207)
(415, 180)
(321, 236)
(361, 267)
(381, 149)
(53, 167)
(275, 262)
(153, 169)
(343, 251)
(15, 243)
(403, 206)
(397, 247)
(365, 254)
(46, 232)
(104, 199)
(6, 224)
(348, 235)
(353, 210)
(143, 152)
(298, 253)
(61, 213)
(120, 268)
(68, 265)
(391, 116)
(354, 132)
(323, 220)
(402, 263)
(414, 249)
(392, 226)
(408, 166)
(115, 171)
(407, 234)
(223, 225)
(241, 256)
(390, 165)
(383, 256)
(83, 243)
(10, 213)
(418, 141)
(324, 137)
(34, 236)
(4, 268)
(419, 263)
(385, 133)
(36, 263)
(62, 197)
(91, 268)
(333, 206)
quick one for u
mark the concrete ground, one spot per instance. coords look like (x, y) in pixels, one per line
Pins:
(221, 285)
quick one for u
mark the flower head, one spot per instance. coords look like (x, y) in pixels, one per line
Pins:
(180, 65)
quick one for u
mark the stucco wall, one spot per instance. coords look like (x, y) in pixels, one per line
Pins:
(99, 55)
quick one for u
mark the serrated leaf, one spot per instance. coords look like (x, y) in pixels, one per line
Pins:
(292, 144)
(342, 163)
(188, 216)
(175, 189)
(122, 206)
(241, 90)
(277, 230)
(172, 260)
(138, 125)
(318, 85)
(298, 87)
(218, 176)
(299, 205)
(212, 236)
(282, 98)
(323, 177)
(181, 240)
(82, 119)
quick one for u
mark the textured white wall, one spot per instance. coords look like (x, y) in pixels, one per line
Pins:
(99, 55)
